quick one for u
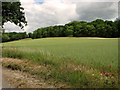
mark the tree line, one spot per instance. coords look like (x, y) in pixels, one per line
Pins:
(96, 28)
(6, 37)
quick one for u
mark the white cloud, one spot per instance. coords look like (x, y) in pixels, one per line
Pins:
(49, 13)
(11, 27)
(52, 12)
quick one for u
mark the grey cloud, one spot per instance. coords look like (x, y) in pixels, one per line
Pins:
(92, 10)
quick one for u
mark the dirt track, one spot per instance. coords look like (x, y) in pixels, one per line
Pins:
(5, 79)
(18, 79)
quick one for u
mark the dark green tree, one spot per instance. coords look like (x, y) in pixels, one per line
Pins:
(13, 12)
(69, 31)
(5, 38)
(30, 35)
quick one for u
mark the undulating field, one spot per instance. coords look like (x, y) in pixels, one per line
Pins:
(75, 61)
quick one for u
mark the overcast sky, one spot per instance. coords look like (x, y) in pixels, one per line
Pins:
(42, 13)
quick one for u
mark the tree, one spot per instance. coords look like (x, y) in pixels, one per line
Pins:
(91, 30)
(77, 30)
(39, 33)
(30, 35)
(5, 38)
(61, 31)
(13, 12)
(69, 31)
(117, 27)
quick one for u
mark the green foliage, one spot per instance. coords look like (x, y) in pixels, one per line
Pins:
(96, 28)
(13, 12)
(5, 38)
(30, 35)
(13, 36)
(68, 31)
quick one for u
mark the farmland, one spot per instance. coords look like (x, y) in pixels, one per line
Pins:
(77, 62)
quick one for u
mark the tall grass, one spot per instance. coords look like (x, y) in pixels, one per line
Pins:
(97, 53)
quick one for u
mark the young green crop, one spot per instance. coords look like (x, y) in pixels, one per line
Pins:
(62, 52)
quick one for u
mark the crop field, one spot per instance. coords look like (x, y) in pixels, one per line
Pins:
(77, 62)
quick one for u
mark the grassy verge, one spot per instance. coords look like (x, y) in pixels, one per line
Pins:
(60, 70)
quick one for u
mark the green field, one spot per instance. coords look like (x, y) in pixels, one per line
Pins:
(69, 53)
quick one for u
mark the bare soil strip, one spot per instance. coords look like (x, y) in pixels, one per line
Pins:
(5, 79)
(18, 79)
